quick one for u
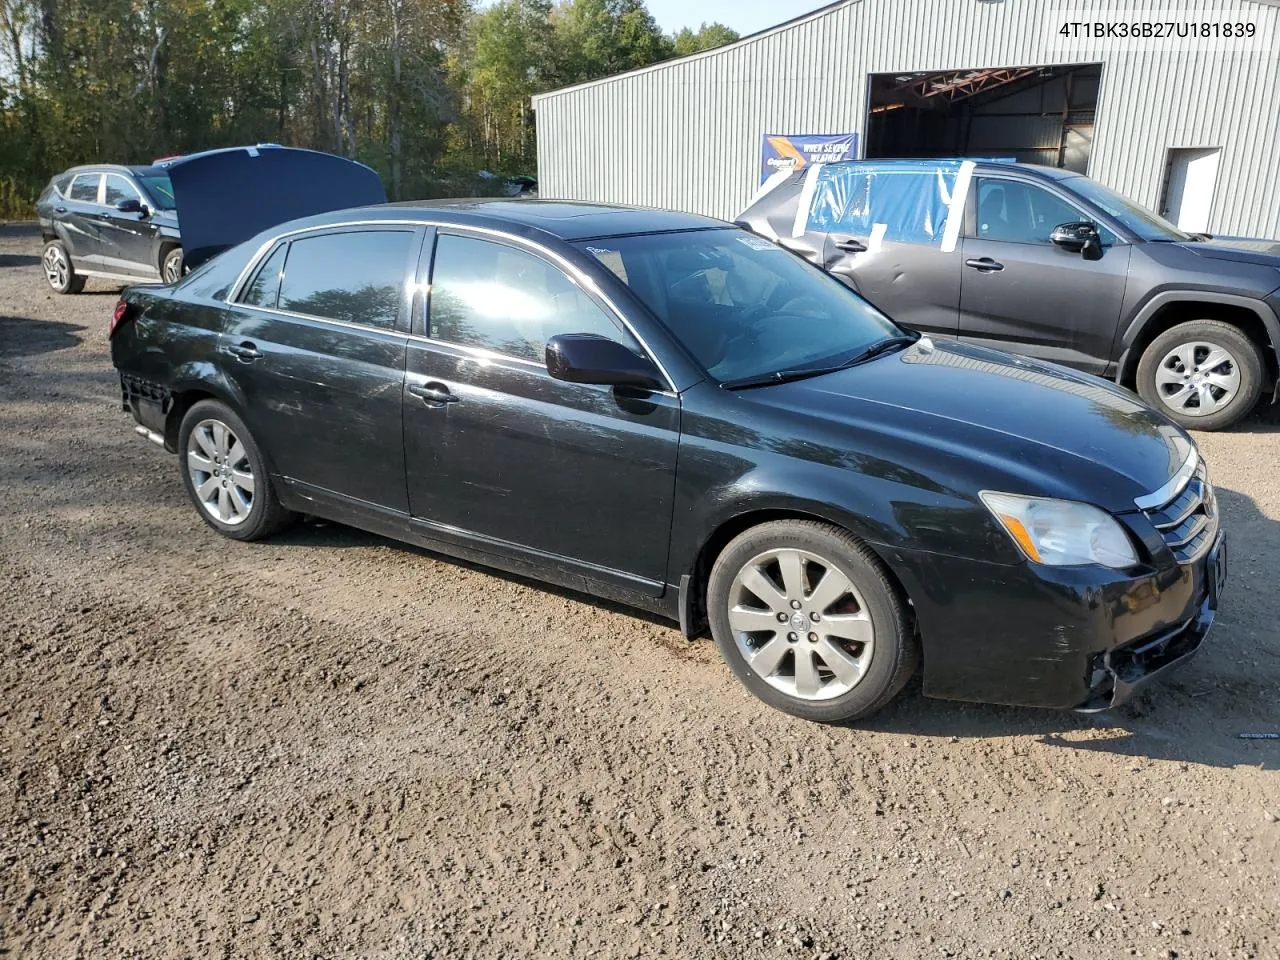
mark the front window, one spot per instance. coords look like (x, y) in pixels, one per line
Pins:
(1144, 223)
(158, 188)
(117, 189)
(744, 307)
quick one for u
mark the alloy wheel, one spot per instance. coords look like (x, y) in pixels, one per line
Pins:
(1197, 378)
(56, 267)
(221, 474)
(801, 624)
(172, 269)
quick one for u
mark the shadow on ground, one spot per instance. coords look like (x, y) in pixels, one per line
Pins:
(21, 337)
(18, 260)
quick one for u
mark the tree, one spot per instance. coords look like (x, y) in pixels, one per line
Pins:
(708, 37)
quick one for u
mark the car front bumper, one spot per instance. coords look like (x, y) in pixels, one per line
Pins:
(1083, 638)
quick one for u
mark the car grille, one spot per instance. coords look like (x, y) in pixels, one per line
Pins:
(1189, 522)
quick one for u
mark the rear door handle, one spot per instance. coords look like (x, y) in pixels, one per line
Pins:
(433, 393)
(245, 352)
(849, 245)
(59, 209)
(985, 264)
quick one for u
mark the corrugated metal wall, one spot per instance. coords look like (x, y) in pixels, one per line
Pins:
(687, 134)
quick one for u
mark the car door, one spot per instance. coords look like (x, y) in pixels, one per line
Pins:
(128, 240)
(315, 343)
(1020, 292)
(500, 453)
(887, 242)
(78, 214)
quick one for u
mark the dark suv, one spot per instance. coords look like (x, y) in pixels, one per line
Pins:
(109, 221)
(1047, 263)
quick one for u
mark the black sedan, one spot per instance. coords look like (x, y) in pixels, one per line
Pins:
(666, 410)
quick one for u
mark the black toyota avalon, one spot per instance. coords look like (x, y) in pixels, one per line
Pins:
(668, 411)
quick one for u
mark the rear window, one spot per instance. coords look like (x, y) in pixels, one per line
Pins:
(355, 277)
(908, 203)
(62, 183)
(262, 291)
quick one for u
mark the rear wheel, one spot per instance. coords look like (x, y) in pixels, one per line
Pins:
(225, 475)
(58, 269)
(806, 617)
(1205, 374)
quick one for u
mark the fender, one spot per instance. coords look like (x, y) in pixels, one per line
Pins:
(1128, 361)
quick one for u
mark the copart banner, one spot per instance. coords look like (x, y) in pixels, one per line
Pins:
(795, 151)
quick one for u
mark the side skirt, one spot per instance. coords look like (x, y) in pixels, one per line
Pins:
(649, 595)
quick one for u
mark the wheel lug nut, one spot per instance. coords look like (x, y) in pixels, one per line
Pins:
(795, 604)
(813, 638)
(782, 618)
(814, 616)
(791, 637)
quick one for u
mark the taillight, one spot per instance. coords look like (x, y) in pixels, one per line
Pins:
(117, 318)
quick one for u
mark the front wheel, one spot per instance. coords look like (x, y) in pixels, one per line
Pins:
(171, 266)
(1205, 374)
(225, 475)
(806, 617)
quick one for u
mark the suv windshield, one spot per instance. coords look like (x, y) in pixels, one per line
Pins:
(743, 306)
(1139, 219)
(158, 188)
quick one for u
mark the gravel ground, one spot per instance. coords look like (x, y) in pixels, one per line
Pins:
(331, 745)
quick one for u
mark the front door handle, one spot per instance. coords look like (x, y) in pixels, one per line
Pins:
(245, 352)
(59, 209)
(433, 394)
(985, 264)
(849, 245)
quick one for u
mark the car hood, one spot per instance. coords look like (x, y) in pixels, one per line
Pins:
(1010, 423)
(227, 196)
(1265, 253)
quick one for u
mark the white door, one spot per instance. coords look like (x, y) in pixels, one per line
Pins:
(1188, 197)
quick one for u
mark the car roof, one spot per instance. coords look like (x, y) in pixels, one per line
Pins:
(983, 166)
(565, 219)
(113, 168)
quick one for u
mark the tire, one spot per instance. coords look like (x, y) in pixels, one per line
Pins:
(876, 650)
(59, 271)
(171, 265)
(234, 494)
(1173, 376)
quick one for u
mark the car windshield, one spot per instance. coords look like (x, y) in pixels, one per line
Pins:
(743, 306)
(158, 188)
(1147, 225)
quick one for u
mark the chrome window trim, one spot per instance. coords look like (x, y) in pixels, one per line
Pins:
(132, 186)
(1167, 493)
(575, 274)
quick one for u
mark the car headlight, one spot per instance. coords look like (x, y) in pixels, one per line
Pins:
(1061, 532)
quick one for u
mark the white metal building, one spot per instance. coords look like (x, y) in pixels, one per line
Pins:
(1189, 128)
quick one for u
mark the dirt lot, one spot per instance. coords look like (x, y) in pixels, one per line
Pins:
(334, 745)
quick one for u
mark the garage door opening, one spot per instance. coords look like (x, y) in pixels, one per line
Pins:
(1031, 114)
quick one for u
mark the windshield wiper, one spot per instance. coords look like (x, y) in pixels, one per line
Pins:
(803, 373)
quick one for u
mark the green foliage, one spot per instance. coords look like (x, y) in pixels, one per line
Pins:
(708, 37)
(428, 92)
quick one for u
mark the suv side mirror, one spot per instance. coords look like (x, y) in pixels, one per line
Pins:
(591, 358)
(1081, 238)
(131, 205)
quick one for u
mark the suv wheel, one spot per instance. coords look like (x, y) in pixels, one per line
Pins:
(58, 270)
(171, 266)
(807, 619)
(225, 475)
(1205, 374)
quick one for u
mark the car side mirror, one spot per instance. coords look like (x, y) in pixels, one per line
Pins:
(591, 358)
(1081, 238)
(131, 205)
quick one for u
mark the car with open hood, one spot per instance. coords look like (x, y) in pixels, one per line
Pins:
(1047, 263)
(121, 223)
(671, 412)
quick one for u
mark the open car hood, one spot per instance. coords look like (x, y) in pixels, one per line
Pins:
(224, 197)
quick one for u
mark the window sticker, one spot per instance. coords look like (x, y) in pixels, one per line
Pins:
(758, 243)
(611, 259)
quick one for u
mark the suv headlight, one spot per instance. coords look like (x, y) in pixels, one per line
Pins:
(1061, 532)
